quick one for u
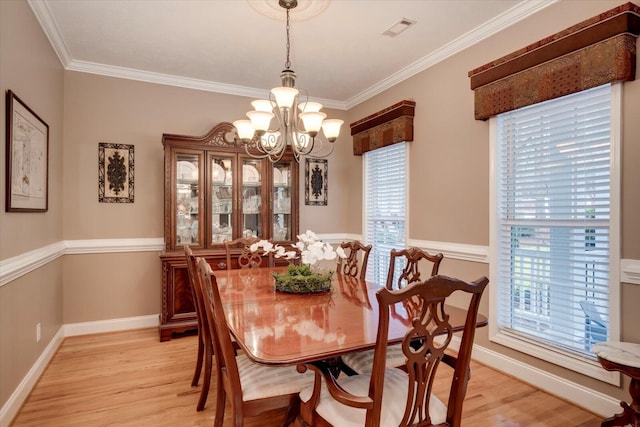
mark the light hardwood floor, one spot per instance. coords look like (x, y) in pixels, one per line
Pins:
(132, 379)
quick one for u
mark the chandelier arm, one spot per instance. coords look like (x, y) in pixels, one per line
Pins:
(255, 156)
(322, 156)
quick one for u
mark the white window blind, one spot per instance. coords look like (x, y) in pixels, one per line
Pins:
(385, 206)
(553, 221)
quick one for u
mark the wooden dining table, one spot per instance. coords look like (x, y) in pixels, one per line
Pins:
(276, 328)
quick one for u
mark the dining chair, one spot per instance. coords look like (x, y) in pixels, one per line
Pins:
(376, 399)
(246, 258)
(413, 259)
(251, 388)
(355, 264)
(205, 346)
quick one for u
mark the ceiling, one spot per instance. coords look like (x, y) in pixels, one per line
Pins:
(340, 55)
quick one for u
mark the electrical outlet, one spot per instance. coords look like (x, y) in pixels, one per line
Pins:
(38, 332)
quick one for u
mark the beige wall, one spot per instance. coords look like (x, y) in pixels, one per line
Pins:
(449, 165)
(104, 109)
(30, 68)
(448, 172)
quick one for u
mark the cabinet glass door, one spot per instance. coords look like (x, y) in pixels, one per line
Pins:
(187, 220)
(222, 215)
(281, 208)
(252, 176)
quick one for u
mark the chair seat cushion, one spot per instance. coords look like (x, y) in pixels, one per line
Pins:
(394, 398)
(260, 381)
(362, 361)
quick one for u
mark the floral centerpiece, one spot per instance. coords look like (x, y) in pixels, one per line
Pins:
(306, 278)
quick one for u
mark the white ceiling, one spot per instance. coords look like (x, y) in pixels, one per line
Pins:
(340, 56)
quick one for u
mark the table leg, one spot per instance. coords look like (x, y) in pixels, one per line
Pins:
(630, 413)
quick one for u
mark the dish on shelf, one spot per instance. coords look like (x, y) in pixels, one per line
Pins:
(277, 177)
(218, 175)
(250, 174)
(187, 170)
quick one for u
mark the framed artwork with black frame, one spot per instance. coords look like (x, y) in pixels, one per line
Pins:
(27, 158)
(316, 182)
(115, 173)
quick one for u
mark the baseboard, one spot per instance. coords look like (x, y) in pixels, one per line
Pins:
(20, 394)
(111, 325)
(584, 397)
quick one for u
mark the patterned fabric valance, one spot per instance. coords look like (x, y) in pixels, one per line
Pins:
(594, 52)
(386, 127)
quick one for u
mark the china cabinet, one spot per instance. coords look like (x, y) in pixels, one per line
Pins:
(214, 191)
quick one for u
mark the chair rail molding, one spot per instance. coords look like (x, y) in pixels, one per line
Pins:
(461, 251)
(630, 271)
(337, 238)
(17, 266)
(102, 246)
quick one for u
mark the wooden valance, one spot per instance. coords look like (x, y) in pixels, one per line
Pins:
(386, 127)
(594, 52)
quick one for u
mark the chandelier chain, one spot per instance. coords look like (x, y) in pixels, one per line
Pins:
(287, 64)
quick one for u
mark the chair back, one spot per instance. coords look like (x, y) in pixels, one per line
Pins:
(424, 303)
(355, 264)
(413, 258)
(226, 365)
(246, 258)
(195, 291)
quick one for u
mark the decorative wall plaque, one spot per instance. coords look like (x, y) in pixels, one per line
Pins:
(315, 182)
(115, 173)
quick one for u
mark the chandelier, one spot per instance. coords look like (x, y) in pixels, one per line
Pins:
(299, 120)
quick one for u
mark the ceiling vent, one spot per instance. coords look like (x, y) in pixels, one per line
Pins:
(399, 27)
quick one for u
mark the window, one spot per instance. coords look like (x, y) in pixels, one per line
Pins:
(554, 266)
(385, 206)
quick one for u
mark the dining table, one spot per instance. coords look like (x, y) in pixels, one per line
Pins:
(276, 328)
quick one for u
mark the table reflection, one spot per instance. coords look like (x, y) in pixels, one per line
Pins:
(281, 328)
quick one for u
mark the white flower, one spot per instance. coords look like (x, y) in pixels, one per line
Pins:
(266, 246)
(311, 248)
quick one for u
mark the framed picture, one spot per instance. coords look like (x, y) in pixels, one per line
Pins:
(115, 173)
(27, 158)
(315, 182)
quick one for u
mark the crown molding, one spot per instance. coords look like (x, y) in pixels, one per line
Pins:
(45, 18)
(506, 19)
(517, 13)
